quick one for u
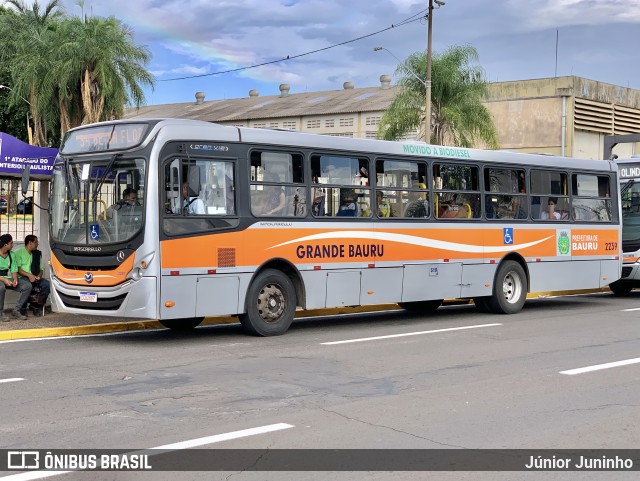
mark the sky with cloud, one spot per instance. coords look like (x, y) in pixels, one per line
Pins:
(516, 39)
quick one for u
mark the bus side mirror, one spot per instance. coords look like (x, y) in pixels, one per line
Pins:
(25, 180)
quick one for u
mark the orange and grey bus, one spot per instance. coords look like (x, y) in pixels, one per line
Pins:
(629, 174)
(260, 223)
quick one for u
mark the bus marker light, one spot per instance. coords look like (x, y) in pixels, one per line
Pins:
(143, 264)
(174, 273)
(538, 260)
(371, 266)
(211, 271)
(370, 292)
(316, 268)
(487, 285)
(169, 304)
(446, 260)
(492, 261)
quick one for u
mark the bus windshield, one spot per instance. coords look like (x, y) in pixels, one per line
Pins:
(97, 201)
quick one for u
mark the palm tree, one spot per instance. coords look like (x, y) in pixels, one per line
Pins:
(27, 37)
(98, 70)
(457, 89)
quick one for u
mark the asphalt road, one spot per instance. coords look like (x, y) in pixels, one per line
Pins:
(454, 379)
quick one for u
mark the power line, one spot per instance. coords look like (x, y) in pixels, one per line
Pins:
(407, 21)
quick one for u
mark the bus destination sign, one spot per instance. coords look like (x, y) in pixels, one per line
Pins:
(103, 138)
(629, 171)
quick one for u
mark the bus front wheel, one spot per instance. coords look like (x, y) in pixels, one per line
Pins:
(509, 289)
(271, 304)
(182, 325)
(620, 288)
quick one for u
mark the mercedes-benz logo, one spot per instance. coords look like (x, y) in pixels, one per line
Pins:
(120, 256)
(88, 278)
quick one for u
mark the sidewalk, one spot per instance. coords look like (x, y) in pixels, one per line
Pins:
(55, 324)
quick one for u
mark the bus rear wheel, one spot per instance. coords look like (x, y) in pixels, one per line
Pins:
(509, 289)
(421, 306)
(271, 304)
(182, 325)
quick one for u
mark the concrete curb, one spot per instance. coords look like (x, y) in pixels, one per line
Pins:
(105, 328)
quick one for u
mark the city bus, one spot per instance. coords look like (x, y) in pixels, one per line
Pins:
(629, 174)
(262, 223)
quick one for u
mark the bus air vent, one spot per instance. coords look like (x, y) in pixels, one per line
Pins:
(226, 257)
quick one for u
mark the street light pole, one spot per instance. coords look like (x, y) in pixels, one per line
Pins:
(405, 67)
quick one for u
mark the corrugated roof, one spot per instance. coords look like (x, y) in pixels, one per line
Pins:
(368, 99)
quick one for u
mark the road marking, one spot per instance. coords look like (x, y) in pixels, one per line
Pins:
(217, 438)
(79, 336)
(12, 379)
(599, 367)
(363, 339)
(629, 310)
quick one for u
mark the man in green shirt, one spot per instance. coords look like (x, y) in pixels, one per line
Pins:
(25, 257)
(9, 279)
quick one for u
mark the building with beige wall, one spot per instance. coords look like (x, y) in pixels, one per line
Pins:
(563, 115)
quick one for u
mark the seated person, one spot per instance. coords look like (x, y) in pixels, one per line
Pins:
(348, 205)
(458, 209)
(382, 206)
(416, 206)
(551, 213)
(29, 260)
(129, 199)
(190, 204)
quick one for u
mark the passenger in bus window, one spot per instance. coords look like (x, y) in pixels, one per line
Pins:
(274, 201)
(348, 206)
(417, 206)
(550, 213)
(382, 205)
(190, 204)
(300, 202)
(317, 207)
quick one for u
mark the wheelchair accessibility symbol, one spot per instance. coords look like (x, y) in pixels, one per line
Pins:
(94, 231)
(508, 235)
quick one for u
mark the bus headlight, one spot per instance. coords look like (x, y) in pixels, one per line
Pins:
(136, 273)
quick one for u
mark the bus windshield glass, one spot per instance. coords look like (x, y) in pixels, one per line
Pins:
(631, 213)
(97, 201)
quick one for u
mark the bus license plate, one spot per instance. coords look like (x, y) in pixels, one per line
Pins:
(88, 296)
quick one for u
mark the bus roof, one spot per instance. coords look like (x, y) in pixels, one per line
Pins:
(200, 130)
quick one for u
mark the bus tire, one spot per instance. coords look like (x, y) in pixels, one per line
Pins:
(482, 303)
(509, 289)
(620, 288)
(421, 306)
(271, 304)
(182, 325)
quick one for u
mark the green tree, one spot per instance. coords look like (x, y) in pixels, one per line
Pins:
(458, 116)
(71, 70)
(97, 70)
(27, 37)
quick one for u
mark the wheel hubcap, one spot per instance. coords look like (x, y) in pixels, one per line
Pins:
(512, 287)
(271, 303)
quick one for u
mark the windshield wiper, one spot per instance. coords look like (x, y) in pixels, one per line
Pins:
(104, 176)
(626, 187)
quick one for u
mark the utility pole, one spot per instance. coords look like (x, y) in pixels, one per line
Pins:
(427, 108)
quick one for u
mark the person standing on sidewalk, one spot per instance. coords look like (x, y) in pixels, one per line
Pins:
(9, 278)
(29, 260)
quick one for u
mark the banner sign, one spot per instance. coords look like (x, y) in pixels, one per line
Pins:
(15, 154)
